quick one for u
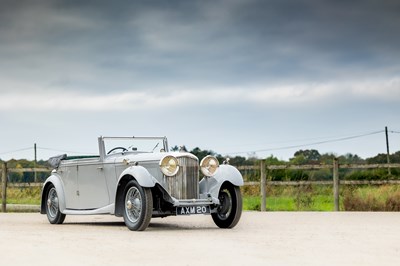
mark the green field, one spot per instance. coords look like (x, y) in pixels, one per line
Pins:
(288, 198)
(277, 203)
(320, 198)
(24, 195)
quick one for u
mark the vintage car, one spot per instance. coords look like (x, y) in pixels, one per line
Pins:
(137, 178)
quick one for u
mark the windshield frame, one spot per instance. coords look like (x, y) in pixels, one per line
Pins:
(103, 140)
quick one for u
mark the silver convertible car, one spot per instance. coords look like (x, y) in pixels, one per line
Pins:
(137, 178)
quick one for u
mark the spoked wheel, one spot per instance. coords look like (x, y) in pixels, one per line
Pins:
(230, 209)
(53, 208)
(138, 206)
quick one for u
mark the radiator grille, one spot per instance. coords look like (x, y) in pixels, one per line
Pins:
(185, 184)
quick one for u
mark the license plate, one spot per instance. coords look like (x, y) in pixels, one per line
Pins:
(189, 210)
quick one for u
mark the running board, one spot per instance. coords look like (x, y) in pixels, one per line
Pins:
(109, 209)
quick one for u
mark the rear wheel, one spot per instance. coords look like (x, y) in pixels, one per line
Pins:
(230, 209)
(53, 207)
(138, 206)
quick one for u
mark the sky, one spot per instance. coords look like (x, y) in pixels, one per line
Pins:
(249, 78)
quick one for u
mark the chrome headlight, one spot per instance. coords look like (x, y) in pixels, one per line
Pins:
(209, 165)
(169, 165)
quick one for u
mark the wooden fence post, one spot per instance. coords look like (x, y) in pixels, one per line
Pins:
(263, 190)
(4, 188)
(336, 183)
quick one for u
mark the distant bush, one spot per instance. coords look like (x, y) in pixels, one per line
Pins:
(372, 198)
(393, 202)
(251, 190)
(24, 195)
(304, 197)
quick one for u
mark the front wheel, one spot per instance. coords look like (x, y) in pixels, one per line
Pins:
(138, 206)
(53, 207)
(230, 209)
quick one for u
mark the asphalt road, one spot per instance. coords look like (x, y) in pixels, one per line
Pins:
(272, 238)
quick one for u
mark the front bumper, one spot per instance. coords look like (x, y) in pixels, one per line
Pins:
(196, 202)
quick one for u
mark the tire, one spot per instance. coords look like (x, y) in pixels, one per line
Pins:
(138, 206)
(53, 207)
(229, 211)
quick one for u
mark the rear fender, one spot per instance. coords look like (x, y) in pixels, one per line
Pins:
(57, 183)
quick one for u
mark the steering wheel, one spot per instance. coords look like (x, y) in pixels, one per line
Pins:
(117, 148)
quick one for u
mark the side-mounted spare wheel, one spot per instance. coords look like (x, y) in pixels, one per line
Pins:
(138, 206)
(229, 211)
(53, 207)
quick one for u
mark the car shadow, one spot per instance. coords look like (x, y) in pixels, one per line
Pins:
(96, 223)
(153, 226)
(171, 226)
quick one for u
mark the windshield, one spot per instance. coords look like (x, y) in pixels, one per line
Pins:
(135, 144)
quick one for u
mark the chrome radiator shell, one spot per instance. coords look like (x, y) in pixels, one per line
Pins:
(185, 184)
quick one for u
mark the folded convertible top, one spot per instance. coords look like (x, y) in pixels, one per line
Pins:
(56, 160)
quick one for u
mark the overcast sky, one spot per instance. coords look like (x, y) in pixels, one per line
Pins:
(231, 76)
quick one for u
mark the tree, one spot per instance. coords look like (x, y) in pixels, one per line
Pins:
(309, 156)
(275, 175)
(395, 157)
(327, 158)
(180, 148)
(382, 158)
(199, 153)
(351, 159)
(272, 160)
(238, 160)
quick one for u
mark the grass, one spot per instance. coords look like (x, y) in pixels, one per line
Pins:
(284, 198)
(281, 203)
(365, 198)
(320, 198)
(29, 196)
(290, 198)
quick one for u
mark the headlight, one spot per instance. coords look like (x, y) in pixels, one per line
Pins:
(209, 165)
(169, 165)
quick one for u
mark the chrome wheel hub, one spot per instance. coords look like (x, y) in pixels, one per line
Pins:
(52, 203)
(133, 204)
(129, 205)
(137, 203)
(225, 208)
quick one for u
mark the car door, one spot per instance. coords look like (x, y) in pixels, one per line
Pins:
(93, 191)
(69, 176)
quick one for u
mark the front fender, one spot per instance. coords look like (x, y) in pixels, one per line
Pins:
(57, 183)
(225, 173)
(142, 176)
(229, 173)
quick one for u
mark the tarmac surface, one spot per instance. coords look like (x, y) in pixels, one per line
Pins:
(270, 238)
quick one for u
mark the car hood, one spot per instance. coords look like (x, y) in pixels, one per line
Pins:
(146, 157)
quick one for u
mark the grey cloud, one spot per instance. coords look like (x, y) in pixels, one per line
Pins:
(135, 45)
